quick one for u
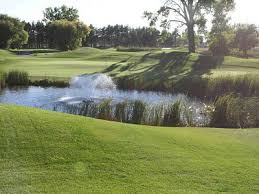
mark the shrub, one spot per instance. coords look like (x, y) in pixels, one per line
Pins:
(49, 83)
(17, 78)
(137, 49)
(219, 46)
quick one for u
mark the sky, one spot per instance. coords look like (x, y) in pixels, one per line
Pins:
(103, 12)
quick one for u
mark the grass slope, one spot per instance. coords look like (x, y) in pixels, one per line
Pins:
(171, 65)
(51, 152)
(63, 64)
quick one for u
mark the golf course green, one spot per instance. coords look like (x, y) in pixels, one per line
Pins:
(170, 64)
(48, 152)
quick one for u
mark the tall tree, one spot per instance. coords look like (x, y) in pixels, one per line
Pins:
(67, 35)
(12, 32)
(246, 37)
(187, 13)
(60, 13)
(220, 17)
(221, 34)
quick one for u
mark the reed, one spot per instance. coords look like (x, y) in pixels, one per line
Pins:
(2, 80)
(139, 108)
(50, 83)
(232, 111)
(172, 116)
(105, 110)
(17, 78)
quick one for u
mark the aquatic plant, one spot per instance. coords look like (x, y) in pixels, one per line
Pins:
(172, 115)
(50, 83)
(122, 112)
(2, 80)
(105, 110)
(139, 108)
(232, 111)
(17, 78)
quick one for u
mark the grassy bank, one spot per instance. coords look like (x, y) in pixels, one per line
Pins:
(172, 70)
(170, 65)
(51, 152)
(63, 65)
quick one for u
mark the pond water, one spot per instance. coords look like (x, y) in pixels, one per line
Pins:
(95, 88)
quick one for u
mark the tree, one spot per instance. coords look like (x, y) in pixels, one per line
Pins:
(12, 32)
(221, 34)
(189, 13)
(67, 35)
(246, 37)
(60, 13)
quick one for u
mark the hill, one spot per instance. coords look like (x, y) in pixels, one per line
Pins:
(52, 153)
(170, 64)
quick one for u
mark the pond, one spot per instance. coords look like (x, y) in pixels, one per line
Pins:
(94, 89)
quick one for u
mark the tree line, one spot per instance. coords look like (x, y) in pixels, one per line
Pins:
(62, 29)
(125, 36)
(109, 36)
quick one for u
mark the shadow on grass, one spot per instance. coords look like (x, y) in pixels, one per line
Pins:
(173, 71)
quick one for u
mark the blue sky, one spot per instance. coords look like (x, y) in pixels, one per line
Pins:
(103, 12)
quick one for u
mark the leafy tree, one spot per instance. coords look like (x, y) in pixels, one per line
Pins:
(67, 35)
(220, 21)
(12, 32)
(221, 35)
(246, 37)
(119, 35)
(189, 13)
(91, 40)
(219, 45)
(60, 13)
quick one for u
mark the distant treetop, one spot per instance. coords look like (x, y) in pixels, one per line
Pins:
(60, 13)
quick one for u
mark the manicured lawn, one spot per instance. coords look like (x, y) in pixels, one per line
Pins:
(63, 64)
(170, 65)
(47, 152)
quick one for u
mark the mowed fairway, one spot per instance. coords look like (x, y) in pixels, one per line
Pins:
(47, 152)
(63, 64)
(170, 65)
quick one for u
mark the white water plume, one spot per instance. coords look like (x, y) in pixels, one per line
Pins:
(94, 81)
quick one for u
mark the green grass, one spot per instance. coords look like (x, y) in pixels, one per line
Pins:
(47, 152)
(165, 67)
(63, 64)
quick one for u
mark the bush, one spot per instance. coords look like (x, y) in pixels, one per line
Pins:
(49, 83)
(17, 78)
(219, 46)
(137, 49)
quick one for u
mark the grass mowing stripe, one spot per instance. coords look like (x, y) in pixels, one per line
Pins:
(55, 152)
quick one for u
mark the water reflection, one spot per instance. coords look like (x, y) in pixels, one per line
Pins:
(95, 88)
